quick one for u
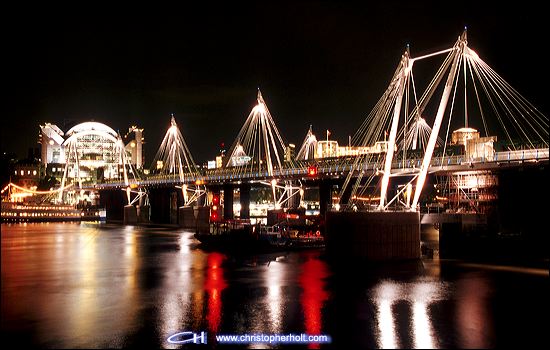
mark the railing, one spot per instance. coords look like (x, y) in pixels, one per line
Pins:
(338, 168)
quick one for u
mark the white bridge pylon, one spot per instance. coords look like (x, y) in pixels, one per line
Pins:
(502, 111)
(307, 150)
(259, 149)
(174, 160)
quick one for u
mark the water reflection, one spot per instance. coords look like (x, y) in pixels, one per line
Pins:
(473, 320)
(418, 295)
(214, 285)
(423, 294)
(178, 284)
(72, 285)
(274, 279)
(312, 281)
(386, 293)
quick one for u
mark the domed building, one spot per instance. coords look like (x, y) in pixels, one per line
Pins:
(89, 151)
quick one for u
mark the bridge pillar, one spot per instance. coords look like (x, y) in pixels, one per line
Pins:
(245, 200)
(325, 196)
(372, 236)
(186, 217)
(130, 215)
(113, 201)
(228, 197)
(143, 213)
(202, 218)
(164, 205)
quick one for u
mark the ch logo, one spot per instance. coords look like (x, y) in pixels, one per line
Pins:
(187, 337)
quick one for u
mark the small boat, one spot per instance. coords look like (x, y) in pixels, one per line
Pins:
(242, 236)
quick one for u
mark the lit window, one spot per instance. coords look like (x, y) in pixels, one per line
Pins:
(22, 172)
(34, 172)
(28, 172)
(54, 170)
(16, 172)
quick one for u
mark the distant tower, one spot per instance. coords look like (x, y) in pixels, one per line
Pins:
(134, 146)
(51, 140)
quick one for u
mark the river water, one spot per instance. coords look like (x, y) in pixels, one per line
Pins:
(99, 285)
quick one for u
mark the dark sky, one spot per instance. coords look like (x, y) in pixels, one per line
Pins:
(319, 63)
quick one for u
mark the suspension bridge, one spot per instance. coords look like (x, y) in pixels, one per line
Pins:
(413, 132)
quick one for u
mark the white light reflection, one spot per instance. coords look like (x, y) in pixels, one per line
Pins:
(387, 339)
(423, 294)
(419, 295)
(422, 330)
(178, 288)
(273, 276)
(386, 294)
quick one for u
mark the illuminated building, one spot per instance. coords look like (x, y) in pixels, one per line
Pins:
(330, 149)
(88, 151)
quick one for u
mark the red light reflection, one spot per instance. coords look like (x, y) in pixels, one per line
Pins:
(314, 295)
(213, 285)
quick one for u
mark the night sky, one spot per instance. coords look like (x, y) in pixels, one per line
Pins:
(319, 63)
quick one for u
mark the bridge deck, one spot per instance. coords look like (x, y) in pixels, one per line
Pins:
(332, 167)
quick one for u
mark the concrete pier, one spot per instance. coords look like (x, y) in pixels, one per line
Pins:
(130, 215)
(373, 236)
(245, 200)
(186, 217)
(143, 213)
(196, 218)
(202, 218)
(228, 197)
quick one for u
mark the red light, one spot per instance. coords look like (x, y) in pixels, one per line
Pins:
(216, 199)
(312, 170)
(215, 214)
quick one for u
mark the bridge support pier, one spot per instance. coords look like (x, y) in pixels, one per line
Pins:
(186, 217)
(372, 236)
(130, 215)
(113, 202)
(245, 200)
(202, 218)
(164, 205)
(228, 197)
(325, 196)
(143, 213)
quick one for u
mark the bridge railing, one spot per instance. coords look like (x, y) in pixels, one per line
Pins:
(338, 168)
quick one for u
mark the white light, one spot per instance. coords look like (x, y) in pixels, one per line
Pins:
(473, 54)
(259, 108)
(385, 295)
(423, 338)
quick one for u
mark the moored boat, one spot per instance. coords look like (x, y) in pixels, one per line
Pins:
(243, 236)
(31, 212)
